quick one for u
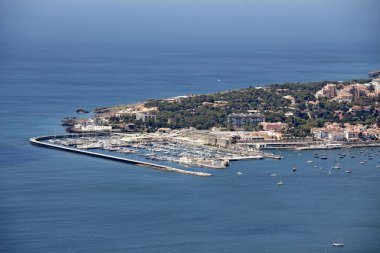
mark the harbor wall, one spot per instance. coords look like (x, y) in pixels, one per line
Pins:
(38, 141)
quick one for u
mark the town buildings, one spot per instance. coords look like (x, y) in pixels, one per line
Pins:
(329, 91)
(349, 92)
(346, 132)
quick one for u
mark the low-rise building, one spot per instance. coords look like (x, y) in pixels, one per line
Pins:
(245, 119)
(144, 117)
(259, 135)
(92, 128)
(274, 126)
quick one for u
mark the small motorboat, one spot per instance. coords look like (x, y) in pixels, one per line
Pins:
(273, 175)
(239, 173)
(337, 244)
(280, 183)
(348, 171)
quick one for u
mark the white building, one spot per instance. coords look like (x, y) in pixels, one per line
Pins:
(144, 117)
(376, 84)
(92, 128)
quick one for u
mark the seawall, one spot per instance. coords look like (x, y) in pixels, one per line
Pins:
(38, 141)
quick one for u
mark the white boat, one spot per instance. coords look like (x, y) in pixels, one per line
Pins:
(337, 244)
(309, 161)
(280, 183)
(273, 175)
(348, 171)
(239, 173)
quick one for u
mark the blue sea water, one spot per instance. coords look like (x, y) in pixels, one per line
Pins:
(52, 201)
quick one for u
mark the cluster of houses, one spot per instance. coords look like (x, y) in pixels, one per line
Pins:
(346, 132)
(350, 92)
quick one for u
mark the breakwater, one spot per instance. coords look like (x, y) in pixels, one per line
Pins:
(39, 141)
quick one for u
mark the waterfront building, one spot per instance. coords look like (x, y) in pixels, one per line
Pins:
(92, 128)
(337, 136)
(246, 137)
(319, 133)
(346, 132)
(245, 119)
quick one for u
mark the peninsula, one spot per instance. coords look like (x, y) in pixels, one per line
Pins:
(335, 111)
(211, 130)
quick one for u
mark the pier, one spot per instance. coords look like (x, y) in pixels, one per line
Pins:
(39, 141)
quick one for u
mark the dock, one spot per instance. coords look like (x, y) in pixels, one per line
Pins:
(39, 141)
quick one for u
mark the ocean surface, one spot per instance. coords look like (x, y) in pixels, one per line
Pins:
(52, 201)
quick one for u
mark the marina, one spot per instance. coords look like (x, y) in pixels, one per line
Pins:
(162, 147)
(39, 141)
